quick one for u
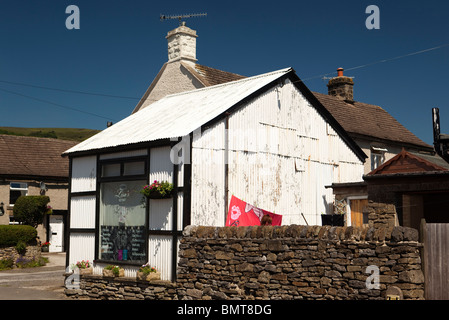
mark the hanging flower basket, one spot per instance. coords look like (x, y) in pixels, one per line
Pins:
(158, 190)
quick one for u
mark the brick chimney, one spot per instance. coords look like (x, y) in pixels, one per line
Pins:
(182, 44)
(341, 87)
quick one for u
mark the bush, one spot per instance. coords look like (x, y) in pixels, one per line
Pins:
(30, 210)
(6, 264)
(11, 235)
(21, 247)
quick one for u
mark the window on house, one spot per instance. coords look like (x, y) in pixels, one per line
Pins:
(122, 215)
(17, 189)
(377, 157)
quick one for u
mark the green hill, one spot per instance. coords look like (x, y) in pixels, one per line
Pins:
(56, 133)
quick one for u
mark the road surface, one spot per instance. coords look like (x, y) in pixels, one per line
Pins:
(41, 283)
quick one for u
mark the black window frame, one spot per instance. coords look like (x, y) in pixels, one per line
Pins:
(100, 179)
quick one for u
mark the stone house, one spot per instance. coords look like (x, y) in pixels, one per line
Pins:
(34, 166)
(375, 131)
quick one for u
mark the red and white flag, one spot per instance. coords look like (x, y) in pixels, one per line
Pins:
(241, 214)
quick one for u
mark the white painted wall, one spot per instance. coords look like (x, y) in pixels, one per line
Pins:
(84, 174)
(281, 155)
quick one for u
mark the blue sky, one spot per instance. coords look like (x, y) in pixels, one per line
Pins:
(121, 46)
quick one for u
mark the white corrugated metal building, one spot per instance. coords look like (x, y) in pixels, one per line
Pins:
(265, 139)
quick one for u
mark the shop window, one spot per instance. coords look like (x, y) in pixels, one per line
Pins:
(122, 215)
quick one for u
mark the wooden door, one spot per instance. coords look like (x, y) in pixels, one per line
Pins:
(357, 206)
(436, 256)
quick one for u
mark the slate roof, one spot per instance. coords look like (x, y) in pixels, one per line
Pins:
(369, 120)
(211, 76)
(31, 157)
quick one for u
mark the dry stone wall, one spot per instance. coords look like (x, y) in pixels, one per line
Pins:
(299, 262)
(32, 253)
(280, 262)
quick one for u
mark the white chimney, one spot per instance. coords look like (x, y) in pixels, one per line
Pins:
(182, 44)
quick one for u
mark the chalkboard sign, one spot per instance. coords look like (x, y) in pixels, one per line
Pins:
(119, 243)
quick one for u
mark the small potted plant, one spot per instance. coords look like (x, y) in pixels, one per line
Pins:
(113, 271)
(84, 267)
(45, 246)
(158, 190)
(148, 273)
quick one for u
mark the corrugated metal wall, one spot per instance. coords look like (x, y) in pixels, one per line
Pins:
(82, 210)
(84, 174)
(208, 177)
(160, 247)
(180, 210)
(82, 247)
(161, 214)
(160, 254)
(281, 155)
(161, 167)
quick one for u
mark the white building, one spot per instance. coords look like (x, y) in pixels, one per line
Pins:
(265, 139)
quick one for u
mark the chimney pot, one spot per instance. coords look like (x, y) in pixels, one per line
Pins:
(340, 72)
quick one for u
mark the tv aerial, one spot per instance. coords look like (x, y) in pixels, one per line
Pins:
(182, 16)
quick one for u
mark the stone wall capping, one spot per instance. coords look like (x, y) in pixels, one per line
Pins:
(367, 233)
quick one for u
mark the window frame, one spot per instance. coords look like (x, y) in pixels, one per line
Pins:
(17, 189)
(377, 157)
(144, 177)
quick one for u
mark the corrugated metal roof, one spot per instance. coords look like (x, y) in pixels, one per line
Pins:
(177, 115)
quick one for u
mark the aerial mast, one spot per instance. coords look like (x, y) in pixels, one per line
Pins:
(182, 16)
